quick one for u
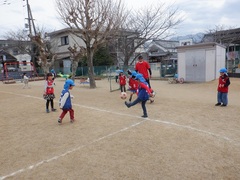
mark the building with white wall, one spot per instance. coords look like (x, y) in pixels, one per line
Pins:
(200, 62)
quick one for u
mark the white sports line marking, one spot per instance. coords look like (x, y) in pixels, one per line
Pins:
(70, 151)
(109, 135)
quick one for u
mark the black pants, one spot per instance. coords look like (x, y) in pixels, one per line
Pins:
(47, 103)
(148, 81)
(122, 88)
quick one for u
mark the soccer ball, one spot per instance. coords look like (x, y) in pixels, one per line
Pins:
(123, 95)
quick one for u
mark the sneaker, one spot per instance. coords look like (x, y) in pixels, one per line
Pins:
(218, 104)
(72, 120)
(53, 109)
(223, 105)
(47, 111)
(154, 94)
(59, 121)
(127, 104)
(144, 116)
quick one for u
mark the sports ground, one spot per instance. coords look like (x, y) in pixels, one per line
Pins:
(184, 137)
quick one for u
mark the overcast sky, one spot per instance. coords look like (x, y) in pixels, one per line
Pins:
(199, 15)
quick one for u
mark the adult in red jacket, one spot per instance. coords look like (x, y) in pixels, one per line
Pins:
(224, 82)
(144, 68)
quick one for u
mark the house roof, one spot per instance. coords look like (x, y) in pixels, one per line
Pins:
(167, 43)
(9, 57)
(61, 31)
(164, 45)
(120, 32)
(200, 45)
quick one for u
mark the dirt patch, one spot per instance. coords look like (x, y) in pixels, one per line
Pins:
(185, 136)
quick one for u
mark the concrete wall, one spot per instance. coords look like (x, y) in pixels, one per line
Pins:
(181, 65)
(210, 64)
(220, 60)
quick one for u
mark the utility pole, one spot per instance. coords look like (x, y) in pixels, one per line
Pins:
(30, 20)
(32, 33)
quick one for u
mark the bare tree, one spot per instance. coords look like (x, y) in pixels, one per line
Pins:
(152, 22)
(75, 56)
(93, 21)
(21, 39)
(45, 58)
(26, 43)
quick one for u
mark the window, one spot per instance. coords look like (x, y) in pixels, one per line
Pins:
(64, 40)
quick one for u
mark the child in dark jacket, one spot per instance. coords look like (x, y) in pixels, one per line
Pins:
(143, 94)
(65, 101)
(224, 82)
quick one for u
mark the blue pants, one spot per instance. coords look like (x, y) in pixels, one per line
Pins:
(222, 98)
(136, 101)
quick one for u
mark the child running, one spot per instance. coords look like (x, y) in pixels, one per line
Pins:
(65, 101)
(143, 94)
(25, 81)
(49, 92)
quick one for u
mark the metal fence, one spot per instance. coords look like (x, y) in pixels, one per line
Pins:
(158, 71)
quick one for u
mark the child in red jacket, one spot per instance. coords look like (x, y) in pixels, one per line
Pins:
(48, 93)
(143, 93)
(133, 85)
(122, 81)
(224, 82)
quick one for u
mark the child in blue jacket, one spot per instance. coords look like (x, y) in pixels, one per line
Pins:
(143, 94)
(65, 101)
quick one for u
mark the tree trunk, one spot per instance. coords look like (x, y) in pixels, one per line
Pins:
(90, 68)
(45, 68)
(125, 63)
(126, 60)
(74, 69)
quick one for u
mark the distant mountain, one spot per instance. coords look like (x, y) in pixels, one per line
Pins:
(197, 38)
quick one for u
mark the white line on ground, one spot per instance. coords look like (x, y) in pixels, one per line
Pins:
(109, 135)
(70, 151)
(122, 114)
(159, 121)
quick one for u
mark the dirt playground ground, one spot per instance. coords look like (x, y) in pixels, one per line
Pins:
(184, 137)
